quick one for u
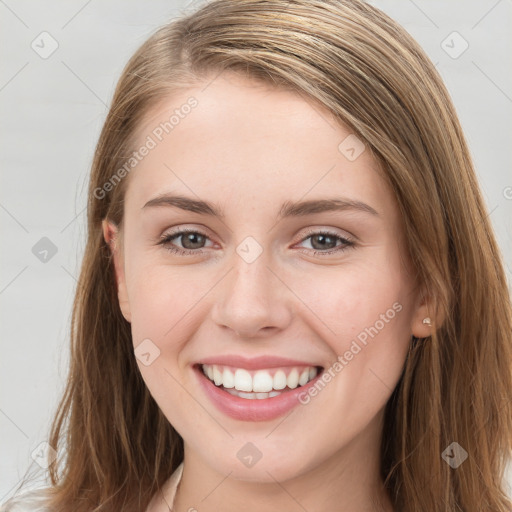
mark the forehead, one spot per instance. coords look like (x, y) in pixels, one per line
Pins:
(252, 144)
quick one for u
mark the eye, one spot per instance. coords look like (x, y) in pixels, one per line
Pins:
(192, 241)
(189, 237)
(325, 239)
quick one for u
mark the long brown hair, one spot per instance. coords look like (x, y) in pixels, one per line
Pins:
(115, 446)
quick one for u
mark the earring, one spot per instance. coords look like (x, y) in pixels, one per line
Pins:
(427, 321)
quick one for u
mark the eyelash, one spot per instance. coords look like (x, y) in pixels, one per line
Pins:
(166, 239)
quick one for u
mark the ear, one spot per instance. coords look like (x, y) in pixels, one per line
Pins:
(425, 310)
(111, 236)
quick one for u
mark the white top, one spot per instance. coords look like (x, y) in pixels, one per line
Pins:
(35, 500)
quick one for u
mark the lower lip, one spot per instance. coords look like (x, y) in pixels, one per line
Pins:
(255, 409)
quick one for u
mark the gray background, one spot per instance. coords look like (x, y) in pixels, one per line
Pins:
(53, 109)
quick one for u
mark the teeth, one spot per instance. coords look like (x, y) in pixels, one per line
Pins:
(228, 379)
(253, 396)
(293, 379)
(259, 384)
(243, 380)
(250, 396)
(217, 376)
(279, 380)
(262, 381)
(304, 377)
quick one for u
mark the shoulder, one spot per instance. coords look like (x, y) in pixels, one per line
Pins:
(29, 501)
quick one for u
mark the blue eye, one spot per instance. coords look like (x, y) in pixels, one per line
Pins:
(194, 234)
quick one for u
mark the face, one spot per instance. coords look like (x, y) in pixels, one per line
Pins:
(266, 286)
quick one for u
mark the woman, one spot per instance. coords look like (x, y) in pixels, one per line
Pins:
(339, 337)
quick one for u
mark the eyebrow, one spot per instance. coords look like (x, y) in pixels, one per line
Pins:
(288, 209)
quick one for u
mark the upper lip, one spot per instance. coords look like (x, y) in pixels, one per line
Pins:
(253, 363)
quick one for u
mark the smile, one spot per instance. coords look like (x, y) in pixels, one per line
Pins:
(255, 393)
(260, 384)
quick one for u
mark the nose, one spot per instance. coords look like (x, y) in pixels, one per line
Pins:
(253, 300)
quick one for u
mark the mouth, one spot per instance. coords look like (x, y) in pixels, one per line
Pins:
(259, 394)
(259, 384)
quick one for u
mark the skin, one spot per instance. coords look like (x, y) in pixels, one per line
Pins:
(249, 148)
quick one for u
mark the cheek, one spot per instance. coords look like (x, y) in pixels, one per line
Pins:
(348, 301)
(161, 298)
(364, 317)
(162, 301)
